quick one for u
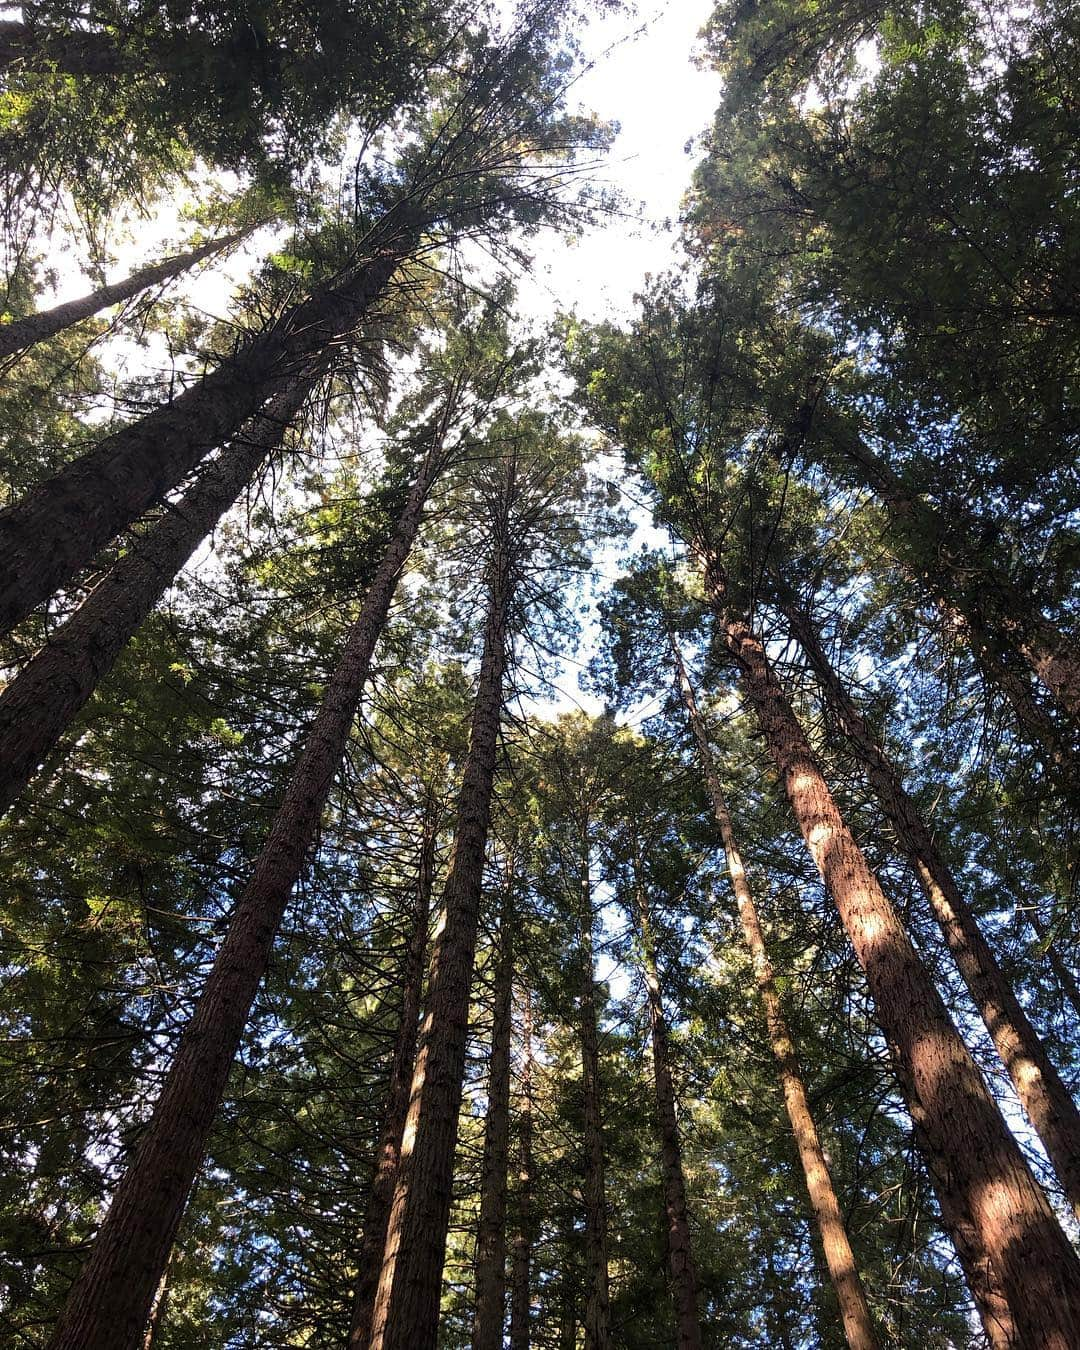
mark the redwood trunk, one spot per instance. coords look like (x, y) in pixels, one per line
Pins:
(56, 530)
(377, 1213)
(975, 1159)
(839, 1258)
(21, 333)
(1042, 1094)
(407, 1303)
(676, 1222)
(38, 705)
(521, 1249)
(491, 1234)
(110, 1302)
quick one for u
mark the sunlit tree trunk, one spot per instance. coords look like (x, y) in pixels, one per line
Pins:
(396, 1108)
(109, 1304)
(39, 704)
(521, 1246)
(969, 1148)
(839, 1258)
(157, 1313)
(490, 1308)
(1042, 1094)
(25, 332)
(407, 1303)
(681, 1267)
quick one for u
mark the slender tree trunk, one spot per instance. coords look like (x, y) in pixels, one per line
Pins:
(39, 704)
(521, 1248)
(109, 1303)
(597, 1300)
(58, 528)
(568, 1287)
(491, 1236)
(78, 52)
(839, 1258)
(1064, 976)
(1043, 1095)
(381, 1196)
(676, 1221)
(407, 1303)
(21, 333)
(157, 1312)
(969, 1148)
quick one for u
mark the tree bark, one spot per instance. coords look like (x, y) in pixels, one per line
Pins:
(488, 1320)
(1043, 1095)
(681, 1265)
(521, 1247)
(108, 1305)
(973, 1155)
(387, 1159)
(597, 1299)
(39, 704)
(407, 1303)
(839, 1258)
(21, 333)
(78, 52)
(56, 530)
(1064, 976)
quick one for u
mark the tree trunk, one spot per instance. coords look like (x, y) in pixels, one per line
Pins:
(25, 332)
(973, 1155)
(1043, 1095)
(491, 1235)
(157, 1312)
(1064, 976)
(380, 1198)
(39, 704)
(676, 1222)
(407, 1303)
(109, 1302)
(56, 530)
(521, 1250)
(839, 1258)
(74, 53)
(597, 1301)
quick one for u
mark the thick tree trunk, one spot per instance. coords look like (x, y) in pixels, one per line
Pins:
(21, 333)
(39, 704)
(521, 1247)
(973, 1155)
(597, 1299)
(381, 1196)
(407, 1303)
(839, 1258)
(53, 532)
(74, 53)
(1043, 1095)
(681, 1266)
(109, 1303)
(488, 1319)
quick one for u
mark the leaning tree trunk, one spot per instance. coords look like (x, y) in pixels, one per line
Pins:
(54, 531)
(25, 332)
(1038, 1085)
(487, 1331)
(597, 1299)
(968, 1146)
(839, 1258)
(407, 1303)
(109, 1303)
(396, 1106)
(1064, 976)
(676, 1221)
(79, 52)
(39, 704)
(521, 1246)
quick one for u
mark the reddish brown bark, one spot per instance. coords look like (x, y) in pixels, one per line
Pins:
(839, 1258)
(1043, 1095)
(39, 704)
(970, 1150)
(20, 333)
(407, 1302)
(521, 1246)
(108, 1306)
(681, 1268)
(54, 531)
(488, 1318)
(381, 1196)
